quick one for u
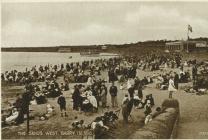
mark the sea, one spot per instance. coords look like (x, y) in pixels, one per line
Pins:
(21, 60)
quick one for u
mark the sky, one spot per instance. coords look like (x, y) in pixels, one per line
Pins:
(41, 24)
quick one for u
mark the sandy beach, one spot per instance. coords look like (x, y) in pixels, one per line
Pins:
(192, 123)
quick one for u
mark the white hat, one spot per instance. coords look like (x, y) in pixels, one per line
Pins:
(48, 105)
(86, 101)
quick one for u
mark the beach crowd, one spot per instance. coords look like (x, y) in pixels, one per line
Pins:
(91, 89)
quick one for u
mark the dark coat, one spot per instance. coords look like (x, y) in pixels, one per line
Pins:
(61, 101)
(176, 80)
(131, 92)
(113, 91)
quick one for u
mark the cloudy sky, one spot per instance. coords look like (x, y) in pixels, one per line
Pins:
(84, 23)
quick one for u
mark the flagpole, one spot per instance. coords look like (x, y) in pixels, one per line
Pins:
(187, 39)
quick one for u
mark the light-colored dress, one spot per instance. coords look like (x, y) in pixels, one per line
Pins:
(12, 117)
(89, 81)
(171, 86)
(103, 96)
(93, 101)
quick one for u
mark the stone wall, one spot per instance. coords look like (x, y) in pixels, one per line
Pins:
(163, 126)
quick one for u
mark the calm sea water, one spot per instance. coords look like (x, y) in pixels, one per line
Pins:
(22, 60)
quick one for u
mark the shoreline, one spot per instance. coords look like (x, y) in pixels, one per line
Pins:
(48, 61)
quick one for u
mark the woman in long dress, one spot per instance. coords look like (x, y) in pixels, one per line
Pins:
(171, 87)
(93, 101)
(103, 96)
(13, 116)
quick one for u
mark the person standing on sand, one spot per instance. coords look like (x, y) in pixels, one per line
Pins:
(62, 103)
(113, 92)
(176, 80)
(140, 93)
(194, 72)
(171, 87)
(124, 106)
(103, 95)
(76, 98)
(131, 91)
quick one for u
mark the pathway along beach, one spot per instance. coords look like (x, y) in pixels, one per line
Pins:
(192, 123)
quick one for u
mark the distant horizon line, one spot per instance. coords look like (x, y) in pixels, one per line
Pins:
(102, 44)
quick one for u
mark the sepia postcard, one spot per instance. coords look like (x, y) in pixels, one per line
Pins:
(104, 69)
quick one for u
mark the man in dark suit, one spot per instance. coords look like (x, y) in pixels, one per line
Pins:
(113, 92)
(62, 103)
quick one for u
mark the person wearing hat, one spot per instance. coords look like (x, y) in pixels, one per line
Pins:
(13, 116)
(130, 106)
(98, 128)
(76, 98)
(62, 103)
(127, 106)
(194, 72)
(148, 109)
(171, 87)
(125, 99)
(103, 95)
(18, 105)
(86, 106)
(131, 91)
(140, 93)
(62, 87)
(125, 109)
(176, 80)
(26, 98)
(151, 100)
(137, 100)
(113, 92)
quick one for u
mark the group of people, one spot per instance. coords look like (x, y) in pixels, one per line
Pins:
(99, 126)
(16, 111)
(134, 98)
(36, 74)
(93, 92)
(48, 74)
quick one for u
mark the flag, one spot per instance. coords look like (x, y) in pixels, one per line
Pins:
(190, 28)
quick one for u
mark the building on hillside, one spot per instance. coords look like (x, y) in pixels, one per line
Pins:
(104, 47)
(188, 46)
(64, 49)
(174, 46)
